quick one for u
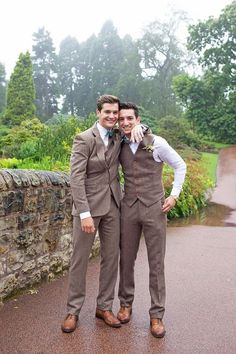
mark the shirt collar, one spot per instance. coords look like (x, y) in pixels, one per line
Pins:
(102, 130)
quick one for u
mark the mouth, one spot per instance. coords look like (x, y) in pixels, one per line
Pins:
(111, 120)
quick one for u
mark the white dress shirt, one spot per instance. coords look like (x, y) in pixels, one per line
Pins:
(164, 152)
(103, 133)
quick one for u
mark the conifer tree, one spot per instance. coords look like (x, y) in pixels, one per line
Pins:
(45, 72)
(20, 93)
(2, 87)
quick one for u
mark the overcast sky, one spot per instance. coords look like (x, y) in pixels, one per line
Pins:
(80, 19)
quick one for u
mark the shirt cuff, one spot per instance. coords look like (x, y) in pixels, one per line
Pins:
(85, 215)
(175, 192)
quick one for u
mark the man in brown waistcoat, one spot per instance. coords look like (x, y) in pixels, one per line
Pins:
(96, 198)
(143, 209)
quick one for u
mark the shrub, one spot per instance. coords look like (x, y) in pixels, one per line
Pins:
(178, 132)
(56, 140)
(194, 193)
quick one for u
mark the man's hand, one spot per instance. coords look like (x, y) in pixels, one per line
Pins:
(136, 134)
(168, 204)
(87, 225)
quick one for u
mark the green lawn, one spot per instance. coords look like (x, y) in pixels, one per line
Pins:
(210, 162)
(218, 145)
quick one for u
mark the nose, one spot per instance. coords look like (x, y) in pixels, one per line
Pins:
(125, 122)
(112, 115)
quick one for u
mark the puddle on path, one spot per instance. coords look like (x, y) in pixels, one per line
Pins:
(212, 215)
(222, 209)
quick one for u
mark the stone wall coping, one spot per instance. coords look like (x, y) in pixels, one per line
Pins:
(16, 178)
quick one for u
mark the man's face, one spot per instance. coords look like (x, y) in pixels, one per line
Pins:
(127, 120)
(108, 115)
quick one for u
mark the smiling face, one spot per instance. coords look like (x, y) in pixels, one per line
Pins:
(128, 120)
(108, 115)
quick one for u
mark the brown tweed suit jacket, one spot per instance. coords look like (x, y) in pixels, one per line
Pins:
(94, 172)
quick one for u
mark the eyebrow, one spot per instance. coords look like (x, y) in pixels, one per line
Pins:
(111, 110)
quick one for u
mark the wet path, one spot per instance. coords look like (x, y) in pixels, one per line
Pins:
(222, 209)
(200, 311)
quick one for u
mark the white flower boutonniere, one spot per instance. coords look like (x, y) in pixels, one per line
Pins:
(149, 148)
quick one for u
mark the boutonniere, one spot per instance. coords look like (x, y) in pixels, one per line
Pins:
(149, 148)
(116, 133)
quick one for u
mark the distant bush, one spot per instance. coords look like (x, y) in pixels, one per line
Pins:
(55, 140)
(25, 133)
(178, 132)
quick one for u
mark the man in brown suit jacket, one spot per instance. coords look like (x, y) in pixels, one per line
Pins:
(143, 209)
(96, 200)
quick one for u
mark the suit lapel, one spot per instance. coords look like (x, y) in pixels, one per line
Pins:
(100, 147)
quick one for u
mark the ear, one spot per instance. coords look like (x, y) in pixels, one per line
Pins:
(138, 120)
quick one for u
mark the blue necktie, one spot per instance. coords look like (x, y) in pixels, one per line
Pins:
(125, 140)
(110, 133)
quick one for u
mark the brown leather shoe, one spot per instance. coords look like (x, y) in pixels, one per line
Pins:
(70, 323)
(157, 327)
(108, 317)
(124, 314)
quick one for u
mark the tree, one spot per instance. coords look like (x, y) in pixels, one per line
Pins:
(128, 87)
(45, 74)
(108, 59)
(162, 57)
(20, 93)
(203, 100)
(213, 41)
(211, 99)
(87, 93)
(69, 73)
(100, 61)
(2, 87)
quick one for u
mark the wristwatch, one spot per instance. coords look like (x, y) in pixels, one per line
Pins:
(175, 197)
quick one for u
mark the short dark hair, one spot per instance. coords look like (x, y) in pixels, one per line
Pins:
(107, 99)
(130, 105)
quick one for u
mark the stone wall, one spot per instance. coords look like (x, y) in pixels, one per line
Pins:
(35, 228)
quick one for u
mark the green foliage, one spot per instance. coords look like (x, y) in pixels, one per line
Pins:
(209, 110)
(148, 119)
(213, 41)
(178, 132)
(193, 196)
(162, 56)
(45, 72)
(10, 163)
(20, 93)
(2, 87)
(21, 139)
(55, 141)
(211, 100)
(86, 123)
(130, 79)
(69, 71)
(4, 130)
(45, 164)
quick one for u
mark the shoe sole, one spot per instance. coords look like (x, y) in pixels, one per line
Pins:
(158, 335)
(68, 330)
(118, 325)
(127, 319)
(124, 321)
